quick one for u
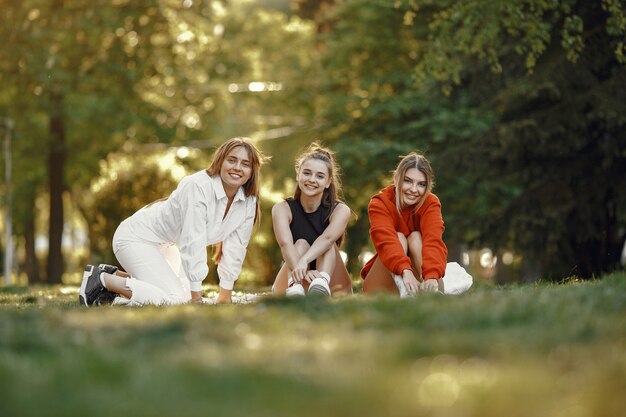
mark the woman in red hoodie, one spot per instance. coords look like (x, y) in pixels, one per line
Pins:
(406, 229)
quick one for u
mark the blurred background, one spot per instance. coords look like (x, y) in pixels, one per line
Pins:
(520, 107)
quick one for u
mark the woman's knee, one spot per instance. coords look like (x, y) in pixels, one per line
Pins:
(327, 260)
(403, 241)
(415, 240)
(415, 249)
(302, 246)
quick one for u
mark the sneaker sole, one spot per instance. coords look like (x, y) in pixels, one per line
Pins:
(293, 294)
(318, 290)
(83, 287)
(112, 270)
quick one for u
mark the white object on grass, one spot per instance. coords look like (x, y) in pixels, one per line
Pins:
(456, 279)
(235, 299)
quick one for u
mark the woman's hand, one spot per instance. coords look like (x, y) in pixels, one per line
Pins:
(410, 282)
(430, 285)
(312, 274)
(300, 270)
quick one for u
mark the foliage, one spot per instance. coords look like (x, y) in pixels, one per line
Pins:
(95, 71)
(134, 74)
(218, 49)
(68, 74)
(126, 183)
(375, 111)
(484, 353)
(518, 105)
(529, 123)
(557, 137)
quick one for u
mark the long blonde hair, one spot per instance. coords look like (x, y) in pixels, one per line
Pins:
(251, 187)
(418, 161)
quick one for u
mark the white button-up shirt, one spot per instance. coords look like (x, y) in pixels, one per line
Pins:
(192, 217)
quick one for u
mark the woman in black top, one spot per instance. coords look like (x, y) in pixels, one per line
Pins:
(309, 228)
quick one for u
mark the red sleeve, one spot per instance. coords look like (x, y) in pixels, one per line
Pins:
(434, 251)
(385, 238)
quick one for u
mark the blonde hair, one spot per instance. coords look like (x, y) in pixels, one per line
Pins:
(251, 187)
(419, 162)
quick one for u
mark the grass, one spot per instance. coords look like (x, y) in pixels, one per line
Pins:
(541, 350)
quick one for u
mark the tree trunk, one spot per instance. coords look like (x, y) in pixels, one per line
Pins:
(455, 251)
(530, 270)
(602, 254)
(56, 172)
(502, 274)
(31, 263)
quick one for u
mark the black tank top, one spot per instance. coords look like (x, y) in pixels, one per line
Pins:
(307, 226)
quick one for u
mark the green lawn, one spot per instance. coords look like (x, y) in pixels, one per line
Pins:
(542, 350)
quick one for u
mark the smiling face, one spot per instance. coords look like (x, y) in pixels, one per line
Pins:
(313, 177)
(412, 187)
(235, 170)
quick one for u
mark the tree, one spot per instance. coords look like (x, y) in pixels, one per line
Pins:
(373, 110)
(135, 179)
(516, 103)
(220, 50)
(71, 71)
(559, 129)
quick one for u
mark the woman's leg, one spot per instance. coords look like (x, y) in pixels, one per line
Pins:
(379, 278)
(281, 281)
(117, 283)
(156, 274)
(331, 263)
(172, 256)
(414, 242)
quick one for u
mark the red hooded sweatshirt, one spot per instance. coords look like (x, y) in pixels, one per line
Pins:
(386, 222)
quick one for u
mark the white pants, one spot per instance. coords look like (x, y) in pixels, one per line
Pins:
(157, 274)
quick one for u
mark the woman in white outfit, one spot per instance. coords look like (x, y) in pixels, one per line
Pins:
(163, 246)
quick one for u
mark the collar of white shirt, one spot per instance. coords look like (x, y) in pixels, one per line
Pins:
(218, 187)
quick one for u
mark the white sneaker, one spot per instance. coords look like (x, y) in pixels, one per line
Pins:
(319, 286)
(404, 293)
(294, 289)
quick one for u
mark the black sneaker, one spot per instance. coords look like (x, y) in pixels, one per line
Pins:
(106, 297)
(91, 288)
(109, 269)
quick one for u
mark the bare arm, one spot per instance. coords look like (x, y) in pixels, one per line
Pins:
(281, 218)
